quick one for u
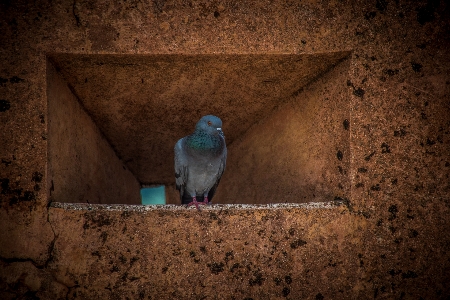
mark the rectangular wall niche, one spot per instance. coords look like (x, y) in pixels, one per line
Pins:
(114, 119)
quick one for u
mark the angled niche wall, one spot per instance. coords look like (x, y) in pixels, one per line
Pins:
(82, 167)
(300, 151)
(114, 119)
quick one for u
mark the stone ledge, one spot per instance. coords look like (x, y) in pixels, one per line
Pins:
(213, 207)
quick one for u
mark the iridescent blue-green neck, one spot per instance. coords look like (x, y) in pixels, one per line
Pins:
(201, 141)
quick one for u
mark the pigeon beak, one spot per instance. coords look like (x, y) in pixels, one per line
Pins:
(220, 131)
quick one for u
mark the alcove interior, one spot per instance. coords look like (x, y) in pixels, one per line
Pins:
(113, 121)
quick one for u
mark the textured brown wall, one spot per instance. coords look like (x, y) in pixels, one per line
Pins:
(177, 253)
(388, 241)
(82, 166)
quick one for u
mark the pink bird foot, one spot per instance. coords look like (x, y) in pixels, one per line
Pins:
(194, 202)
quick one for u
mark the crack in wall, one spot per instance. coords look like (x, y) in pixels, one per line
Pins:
(19, 287)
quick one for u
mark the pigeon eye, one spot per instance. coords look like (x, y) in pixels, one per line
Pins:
(209, 123)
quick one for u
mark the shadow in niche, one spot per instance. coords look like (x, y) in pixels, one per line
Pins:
(114, 119)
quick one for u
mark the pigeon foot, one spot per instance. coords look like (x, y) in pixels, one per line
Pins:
(194, 202)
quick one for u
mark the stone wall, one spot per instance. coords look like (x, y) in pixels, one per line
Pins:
(386, 238)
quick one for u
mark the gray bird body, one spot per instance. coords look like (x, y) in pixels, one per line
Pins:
(200, 160)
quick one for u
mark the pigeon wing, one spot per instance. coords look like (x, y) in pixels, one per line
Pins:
(223, 163)
(181, 167)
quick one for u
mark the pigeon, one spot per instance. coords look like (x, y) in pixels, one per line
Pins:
(200, 160)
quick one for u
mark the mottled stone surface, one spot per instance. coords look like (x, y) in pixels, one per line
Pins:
(388, 240)
(265, 252)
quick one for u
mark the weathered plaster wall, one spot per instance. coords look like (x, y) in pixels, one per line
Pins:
(177, 253)
(388, 241)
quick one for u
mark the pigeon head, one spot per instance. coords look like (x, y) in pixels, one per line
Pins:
(208, 135)
(210, 124)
